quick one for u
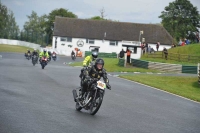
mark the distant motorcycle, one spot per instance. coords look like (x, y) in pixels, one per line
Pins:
(49, 59)
(54, 57)
(92, 99)
(43, 62)
(28, 56)
(73, 57)
(34, 60)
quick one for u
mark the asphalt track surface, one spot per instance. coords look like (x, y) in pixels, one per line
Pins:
(33, 100)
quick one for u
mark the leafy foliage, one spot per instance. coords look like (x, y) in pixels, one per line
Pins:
(51, 18)
(8, 27)
(181, 19)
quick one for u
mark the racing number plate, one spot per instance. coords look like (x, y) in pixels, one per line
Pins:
(101, 85)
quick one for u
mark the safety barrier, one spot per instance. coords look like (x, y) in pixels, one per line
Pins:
(165, 67)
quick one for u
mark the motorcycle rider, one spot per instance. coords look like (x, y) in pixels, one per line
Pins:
(72, 54)
(28, 52)
(44, 54)
(36, 54)
(49, 53)
(89, 60)
(94, 71)
(54, 53)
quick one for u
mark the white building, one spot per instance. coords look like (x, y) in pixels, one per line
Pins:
(106, 36)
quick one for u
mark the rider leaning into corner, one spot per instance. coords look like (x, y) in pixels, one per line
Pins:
(94, 71)
(89, 60)
(44, 53)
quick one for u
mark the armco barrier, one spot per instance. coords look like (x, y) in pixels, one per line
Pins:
(140, 63)
(121, 62)
(165, 67)
(189, 69)
(20, 43)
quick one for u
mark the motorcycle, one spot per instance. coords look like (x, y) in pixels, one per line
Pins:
(34, 59)
(28, 56)
(49, 59)
(54, 57)
(92, 99)
(73, 57)
(43, 62)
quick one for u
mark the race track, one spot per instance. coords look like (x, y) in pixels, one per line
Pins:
(33, 100)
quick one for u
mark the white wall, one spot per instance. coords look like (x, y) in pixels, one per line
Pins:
(104, 46)
(20, 43)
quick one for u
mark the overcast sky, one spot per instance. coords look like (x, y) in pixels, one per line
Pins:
(135, 11)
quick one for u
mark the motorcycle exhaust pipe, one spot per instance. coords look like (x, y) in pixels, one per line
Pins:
(75, 95)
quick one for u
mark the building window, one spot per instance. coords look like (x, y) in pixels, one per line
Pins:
(90, 41)
(114, 43)
(66, 39)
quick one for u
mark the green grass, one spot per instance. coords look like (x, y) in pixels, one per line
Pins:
(183, 86)
(111, 65)
(191, 49)
(13, 48)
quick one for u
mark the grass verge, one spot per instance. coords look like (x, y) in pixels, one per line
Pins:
(183, 86)
(111, 65)
(191, 49)
(13, 48)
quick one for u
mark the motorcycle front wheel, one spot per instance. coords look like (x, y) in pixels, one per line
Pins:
(78, 107)
(96, 104)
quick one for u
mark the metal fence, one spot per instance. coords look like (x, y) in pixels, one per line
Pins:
(176, 57)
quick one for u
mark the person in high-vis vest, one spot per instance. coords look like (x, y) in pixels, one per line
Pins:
(128, 52)
(89, 60)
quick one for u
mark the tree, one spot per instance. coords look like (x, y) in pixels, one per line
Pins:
(102, 11)
(3, 18)
(51, 19)
(97, 18)
(181, 19)
(12, 29)
(8, 27)
(34, 28)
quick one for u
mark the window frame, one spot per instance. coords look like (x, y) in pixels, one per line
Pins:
(66, 39)
(90, 41)
(113, 43)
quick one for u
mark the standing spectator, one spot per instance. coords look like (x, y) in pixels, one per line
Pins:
(165, 52)
(149, 49)
(180, 42)
(143, 48)
(187, 41)
(128, 55)
(121, 54)
(183, 43)
(157, 45)
(146, 48)
(197, 37)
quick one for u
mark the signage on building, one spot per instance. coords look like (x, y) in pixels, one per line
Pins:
(80, 43)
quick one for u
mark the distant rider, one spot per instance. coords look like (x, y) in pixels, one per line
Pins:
(44, 54)
(35, 53)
